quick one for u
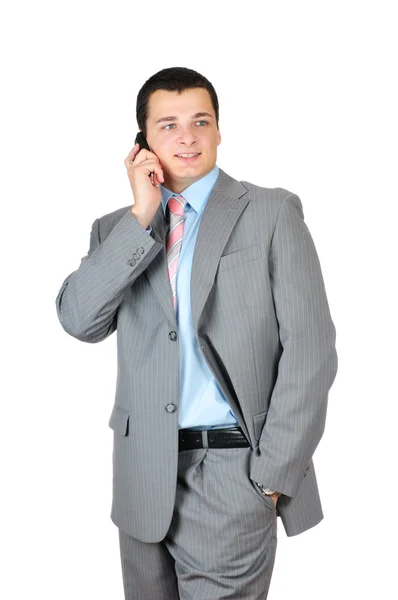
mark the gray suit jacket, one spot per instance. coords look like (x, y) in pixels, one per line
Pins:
(262, 321)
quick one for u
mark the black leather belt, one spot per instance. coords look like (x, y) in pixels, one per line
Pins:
(227, 437)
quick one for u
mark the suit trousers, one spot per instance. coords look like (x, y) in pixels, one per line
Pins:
(222, 538)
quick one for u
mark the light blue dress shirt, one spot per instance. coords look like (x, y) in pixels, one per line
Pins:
(202, 404)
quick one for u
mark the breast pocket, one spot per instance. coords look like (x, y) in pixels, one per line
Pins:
(239, 257)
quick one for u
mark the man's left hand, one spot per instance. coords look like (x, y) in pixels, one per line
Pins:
(275, 497)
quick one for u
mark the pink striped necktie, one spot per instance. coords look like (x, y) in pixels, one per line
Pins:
(176, 206)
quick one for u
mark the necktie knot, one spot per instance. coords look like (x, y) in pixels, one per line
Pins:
(177, 205)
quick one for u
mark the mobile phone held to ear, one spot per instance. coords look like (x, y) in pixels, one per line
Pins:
(141, 140)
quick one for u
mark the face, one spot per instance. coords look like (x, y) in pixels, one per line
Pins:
(173, 128)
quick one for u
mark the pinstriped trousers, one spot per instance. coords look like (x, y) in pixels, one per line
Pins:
(222, 538)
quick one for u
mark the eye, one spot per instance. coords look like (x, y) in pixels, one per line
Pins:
(166, 126)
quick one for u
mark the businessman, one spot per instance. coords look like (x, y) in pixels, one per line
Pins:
(226, 354)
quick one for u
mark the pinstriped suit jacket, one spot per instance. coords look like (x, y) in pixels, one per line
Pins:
(262, 320)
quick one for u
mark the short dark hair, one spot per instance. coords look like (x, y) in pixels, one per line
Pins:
(172, 79)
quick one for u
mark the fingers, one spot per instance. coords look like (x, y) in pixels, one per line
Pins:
(149, 160)
(141, 153)
(158, 176)
(132, 154)
(145, 155)
(151, 166)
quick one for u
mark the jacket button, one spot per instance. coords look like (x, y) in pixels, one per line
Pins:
(171, 408)
(141, 250)
(173, 336)
(131, 262)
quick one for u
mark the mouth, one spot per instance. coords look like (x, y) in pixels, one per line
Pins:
(188, 160)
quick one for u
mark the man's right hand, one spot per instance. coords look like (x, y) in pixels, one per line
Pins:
(147, 195)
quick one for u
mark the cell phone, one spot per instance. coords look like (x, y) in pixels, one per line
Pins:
(141, 140)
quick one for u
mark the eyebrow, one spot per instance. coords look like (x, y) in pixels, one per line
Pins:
(195, 116)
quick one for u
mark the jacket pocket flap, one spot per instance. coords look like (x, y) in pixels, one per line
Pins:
(239, 257)
(119, 420)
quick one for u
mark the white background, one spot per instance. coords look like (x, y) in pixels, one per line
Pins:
(308, 103)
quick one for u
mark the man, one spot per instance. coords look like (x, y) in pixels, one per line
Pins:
(223, 371)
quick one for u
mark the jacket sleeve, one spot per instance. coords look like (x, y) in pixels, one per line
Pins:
(308, 364)
(89, 297)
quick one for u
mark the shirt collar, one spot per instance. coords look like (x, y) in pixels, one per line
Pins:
(195, 194)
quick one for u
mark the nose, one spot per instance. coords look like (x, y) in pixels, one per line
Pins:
(187, 138)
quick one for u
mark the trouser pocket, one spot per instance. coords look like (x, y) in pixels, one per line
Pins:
(264, 497)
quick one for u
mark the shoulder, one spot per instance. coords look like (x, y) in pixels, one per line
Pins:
(271, 199)
(264, 194)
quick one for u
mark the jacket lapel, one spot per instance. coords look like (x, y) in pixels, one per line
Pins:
(225, 204)
(224, 207)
